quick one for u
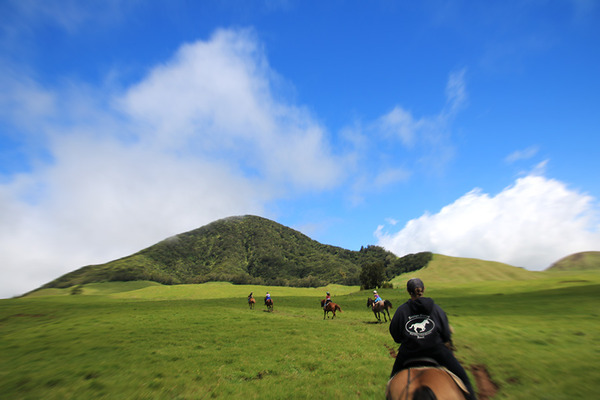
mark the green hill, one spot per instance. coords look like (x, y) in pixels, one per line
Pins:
(459, 270)
(242, 250)
(587, 260)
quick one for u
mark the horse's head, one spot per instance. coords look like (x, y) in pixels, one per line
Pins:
(322, 302)
(369, 302)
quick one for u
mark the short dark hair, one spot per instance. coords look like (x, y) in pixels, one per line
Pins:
(413, 284)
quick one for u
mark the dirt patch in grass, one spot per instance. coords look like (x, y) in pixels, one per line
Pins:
(391, 350)
(486, 388)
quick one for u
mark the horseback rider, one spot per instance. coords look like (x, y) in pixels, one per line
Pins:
(422, 329)
(250, 296)
(267, 297)
(327, 300)
(377, 297)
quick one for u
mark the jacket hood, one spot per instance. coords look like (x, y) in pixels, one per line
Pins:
(422, 305)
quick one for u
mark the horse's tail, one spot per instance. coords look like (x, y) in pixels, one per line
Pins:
(338, 308)
(387, 303)
(424, 393)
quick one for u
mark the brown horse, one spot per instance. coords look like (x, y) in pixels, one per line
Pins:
(382, 307)
(331, 307)
(424, 383)
(269, 304)
(251, 302)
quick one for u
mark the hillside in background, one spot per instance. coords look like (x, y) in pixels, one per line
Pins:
(243, 250)
(587, 260)
(459, 270)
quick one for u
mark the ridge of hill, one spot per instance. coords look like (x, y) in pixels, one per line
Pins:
(459, 270)
(583, 261)
(243, 250)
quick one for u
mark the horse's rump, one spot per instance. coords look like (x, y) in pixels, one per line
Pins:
(425, 382)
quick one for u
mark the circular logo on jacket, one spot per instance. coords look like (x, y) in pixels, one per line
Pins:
(419, 326)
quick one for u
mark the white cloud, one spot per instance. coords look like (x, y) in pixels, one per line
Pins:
(200, 138)
(216, 97)
(429, 134)
(389, 149)
(400, 123)
(530, 224)
(69, 15)
(391, 176)
(456, 93)
(524, 154)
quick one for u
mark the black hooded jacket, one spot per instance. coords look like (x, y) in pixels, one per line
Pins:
(419, 325)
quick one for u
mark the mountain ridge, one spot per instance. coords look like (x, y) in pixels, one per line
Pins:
(254, 250)
(243, 250)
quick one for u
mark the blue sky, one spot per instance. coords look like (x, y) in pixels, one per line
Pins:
(464, 128)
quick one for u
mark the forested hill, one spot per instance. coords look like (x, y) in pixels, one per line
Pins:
(244, 250)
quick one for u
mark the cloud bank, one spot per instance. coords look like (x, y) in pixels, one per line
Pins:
(530, 224)
(201, 137)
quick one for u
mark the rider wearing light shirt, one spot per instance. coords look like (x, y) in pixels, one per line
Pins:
(377, 298)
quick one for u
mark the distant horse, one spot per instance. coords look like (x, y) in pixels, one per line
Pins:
(380, 307)
(269, 304)
(425, 383)
(331, 307)
(251, 302)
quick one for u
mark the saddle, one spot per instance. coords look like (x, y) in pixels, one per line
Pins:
(426, 362)
(420, 362)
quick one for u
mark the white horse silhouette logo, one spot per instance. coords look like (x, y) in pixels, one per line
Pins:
(419, 327)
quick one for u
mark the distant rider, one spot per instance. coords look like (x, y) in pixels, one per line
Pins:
(327, 300)
(422, 329)
(377, 298)
(268, 297)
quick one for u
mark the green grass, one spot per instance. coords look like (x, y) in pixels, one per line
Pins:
(539, 337)
(587, 260)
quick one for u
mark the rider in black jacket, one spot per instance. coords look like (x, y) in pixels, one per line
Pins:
(422, 329)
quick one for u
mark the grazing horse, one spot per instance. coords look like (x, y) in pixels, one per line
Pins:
(331, 307)
(251, 302)
(269, 304)
(382, 307)
(425, 383)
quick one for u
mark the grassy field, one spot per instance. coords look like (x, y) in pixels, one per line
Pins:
(538, 335)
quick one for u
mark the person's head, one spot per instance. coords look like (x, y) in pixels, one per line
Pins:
(375, 292)
(327, 293)
(415, 287)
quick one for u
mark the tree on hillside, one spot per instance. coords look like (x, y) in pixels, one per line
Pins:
(408, 263)
(372, 275)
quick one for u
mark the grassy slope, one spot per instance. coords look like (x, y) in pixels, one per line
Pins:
(147, 290)
(142, 340)
(456, 270)
(589, 260)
